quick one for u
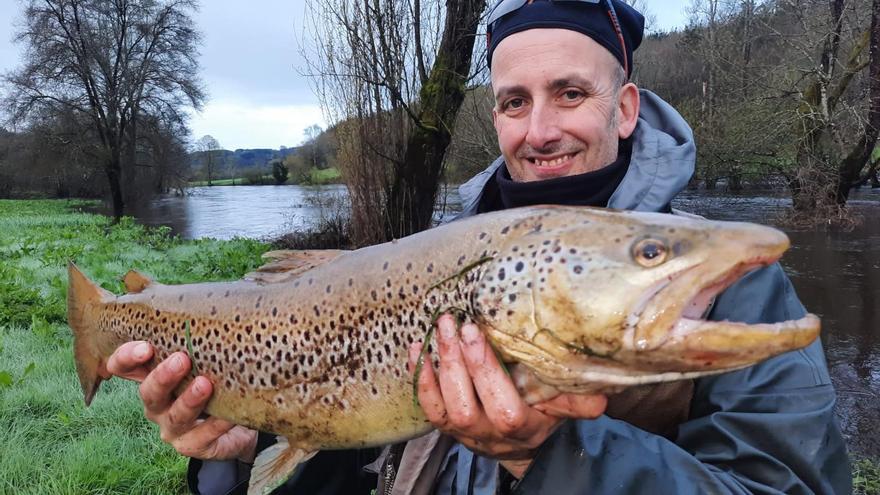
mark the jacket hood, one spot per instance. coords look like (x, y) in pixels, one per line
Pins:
(662, 163)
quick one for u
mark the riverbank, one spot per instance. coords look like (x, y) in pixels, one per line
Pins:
(51, 442)
(316, 177)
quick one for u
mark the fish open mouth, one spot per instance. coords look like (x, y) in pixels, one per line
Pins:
(671, 316)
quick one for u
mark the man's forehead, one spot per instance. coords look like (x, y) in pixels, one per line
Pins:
(546, 46)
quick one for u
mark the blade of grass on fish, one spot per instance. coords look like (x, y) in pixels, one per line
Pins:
(458, 275)
(421, 361)
(460, 315)
(189, 350)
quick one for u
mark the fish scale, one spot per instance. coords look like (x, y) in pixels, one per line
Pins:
(313, 346)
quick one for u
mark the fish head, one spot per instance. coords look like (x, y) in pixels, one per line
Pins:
(630, 291)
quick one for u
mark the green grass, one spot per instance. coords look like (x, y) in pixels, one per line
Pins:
(325, 176)
(866, 476)
(52, 443)
(316, 177)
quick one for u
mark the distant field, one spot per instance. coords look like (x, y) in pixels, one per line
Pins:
(317, 177)
(51, 443)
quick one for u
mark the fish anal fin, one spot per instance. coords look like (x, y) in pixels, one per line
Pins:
(276, 465)
(286, 264)
(136, 281)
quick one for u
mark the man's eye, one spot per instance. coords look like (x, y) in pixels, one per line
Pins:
(572, 94)
(514, 103)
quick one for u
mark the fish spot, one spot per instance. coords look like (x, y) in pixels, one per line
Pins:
(385, 266)
(430, 268)
(519, 266)
(328, 289)
(511, 297)
(180, 298)
(501, 274)
(578, 269)
(408, 266)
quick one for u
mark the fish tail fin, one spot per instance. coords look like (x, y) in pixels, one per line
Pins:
(276, 465)
(83, 296)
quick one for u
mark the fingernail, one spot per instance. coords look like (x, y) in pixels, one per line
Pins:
(141, 350)
(447, 328)
(198, 388)
(470, 334)
(413, 353)
(177, 363)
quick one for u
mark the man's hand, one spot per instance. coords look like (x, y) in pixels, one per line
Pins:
(476, 402)
(178, 418)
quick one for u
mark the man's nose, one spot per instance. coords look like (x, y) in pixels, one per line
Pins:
(544, 126)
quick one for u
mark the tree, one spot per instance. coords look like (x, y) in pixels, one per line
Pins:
(110, 61)
(822, 181)
(393, 74)
(311, 149)
(209, 149)
(279, 171)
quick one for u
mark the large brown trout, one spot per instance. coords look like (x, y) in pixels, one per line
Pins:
(313, 347)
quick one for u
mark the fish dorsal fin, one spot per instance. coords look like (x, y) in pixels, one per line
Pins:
(274, 466)
(286, 264)
(136, 281)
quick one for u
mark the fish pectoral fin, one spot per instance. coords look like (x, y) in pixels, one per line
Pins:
(136, 282)
(530, 388)
(276, 465)
(286, 264)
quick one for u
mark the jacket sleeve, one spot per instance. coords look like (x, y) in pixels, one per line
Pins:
(769, 428)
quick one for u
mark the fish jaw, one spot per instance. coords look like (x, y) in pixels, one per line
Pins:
(689, 293)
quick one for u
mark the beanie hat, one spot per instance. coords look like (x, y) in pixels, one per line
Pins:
(592, 18)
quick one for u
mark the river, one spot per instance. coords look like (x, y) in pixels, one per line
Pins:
(836, 272)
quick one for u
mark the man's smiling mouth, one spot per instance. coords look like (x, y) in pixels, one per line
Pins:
(552, 162)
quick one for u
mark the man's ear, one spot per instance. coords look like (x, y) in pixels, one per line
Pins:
(495, 118)
(628, 110)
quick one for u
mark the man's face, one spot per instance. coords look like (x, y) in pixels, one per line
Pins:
(557, 104)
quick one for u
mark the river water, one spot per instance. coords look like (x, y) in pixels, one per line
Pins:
(836, 272)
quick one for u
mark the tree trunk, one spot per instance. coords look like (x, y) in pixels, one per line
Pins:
(414, 187)
(851, 166)
(114, 176)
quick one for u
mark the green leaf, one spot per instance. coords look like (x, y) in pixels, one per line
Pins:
(5, 379)
(28, 369)
(64, 418)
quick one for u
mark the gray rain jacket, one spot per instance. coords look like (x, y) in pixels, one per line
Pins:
(769, 428)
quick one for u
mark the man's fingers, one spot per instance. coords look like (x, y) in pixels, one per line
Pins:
(184, 411)
(501, 401)
(456, 386)
(130, 361)
(157, 389)
(574, 406)
(202, 440)
(430, 397)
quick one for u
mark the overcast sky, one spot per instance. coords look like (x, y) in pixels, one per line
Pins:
(249, 59)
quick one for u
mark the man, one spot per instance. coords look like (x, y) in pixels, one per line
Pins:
(572, 130)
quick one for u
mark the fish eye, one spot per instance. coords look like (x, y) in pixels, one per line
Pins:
(650, 252)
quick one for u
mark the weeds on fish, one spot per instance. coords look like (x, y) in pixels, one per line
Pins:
(194, 370)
